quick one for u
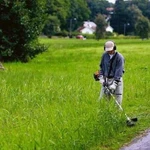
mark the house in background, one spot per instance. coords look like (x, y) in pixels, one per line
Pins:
(88, 27)
(109, 28)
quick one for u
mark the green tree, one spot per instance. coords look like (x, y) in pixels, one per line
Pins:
(101, 27)
(78, 13)
(97, 7)
(52, 26)
(143, 5)
(143, 27)
(133, 13)
(119, 18)
(67, 13)
(58, 9)
(21, 23)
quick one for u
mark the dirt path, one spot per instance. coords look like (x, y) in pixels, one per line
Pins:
(139, 143)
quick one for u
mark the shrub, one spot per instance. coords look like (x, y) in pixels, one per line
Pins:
(21, 24)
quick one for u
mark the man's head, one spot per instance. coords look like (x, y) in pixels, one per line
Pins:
(109, 46)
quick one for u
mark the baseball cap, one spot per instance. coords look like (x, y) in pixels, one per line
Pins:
(109, 46)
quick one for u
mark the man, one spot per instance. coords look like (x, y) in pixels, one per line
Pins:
(111, 72)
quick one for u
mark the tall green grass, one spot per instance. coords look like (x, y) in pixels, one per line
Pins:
(51, 103)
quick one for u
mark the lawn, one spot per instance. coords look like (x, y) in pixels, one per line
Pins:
(51, 103)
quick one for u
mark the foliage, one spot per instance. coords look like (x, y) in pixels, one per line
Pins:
(58, 9)
(144, 6)
(119, 17)
(101, 26)
(89, 36)
(52, 26)
(21, 24)
(97, 7)
(143, 27)
(133, 13)
(109, 34)
(127, 12)
(68, 14)
(79, 10)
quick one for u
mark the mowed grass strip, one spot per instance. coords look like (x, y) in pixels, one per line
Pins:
(51, 102)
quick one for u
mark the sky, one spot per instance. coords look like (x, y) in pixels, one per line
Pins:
(111, 1)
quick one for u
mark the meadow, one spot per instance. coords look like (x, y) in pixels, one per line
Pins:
(51, 103)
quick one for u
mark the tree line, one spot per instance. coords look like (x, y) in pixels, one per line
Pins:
(22, 21)
(126, 17)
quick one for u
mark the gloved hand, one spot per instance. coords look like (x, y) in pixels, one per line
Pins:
(101, 80)
(113, 86)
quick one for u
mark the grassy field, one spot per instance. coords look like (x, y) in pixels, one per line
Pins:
(51, 102)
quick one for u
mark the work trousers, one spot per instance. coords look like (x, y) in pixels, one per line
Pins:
(118, 94)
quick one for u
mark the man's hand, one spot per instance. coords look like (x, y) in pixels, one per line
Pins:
(101, 80)
(113, 86)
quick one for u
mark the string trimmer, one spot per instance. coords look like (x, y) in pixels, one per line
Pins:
(130, 121)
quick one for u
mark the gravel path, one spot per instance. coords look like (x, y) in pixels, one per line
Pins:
(139, 143)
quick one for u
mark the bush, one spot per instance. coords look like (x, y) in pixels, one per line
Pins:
(61, 34)
(89, 36)
(21, 24)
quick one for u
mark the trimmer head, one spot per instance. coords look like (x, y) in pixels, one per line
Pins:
(131, 122)
(134, 119)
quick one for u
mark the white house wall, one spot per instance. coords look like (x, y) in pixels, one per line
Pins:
(109, 29)
(87, 31)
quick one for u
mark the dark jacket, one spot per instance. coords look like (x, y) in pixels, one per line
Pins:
(112, 68)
